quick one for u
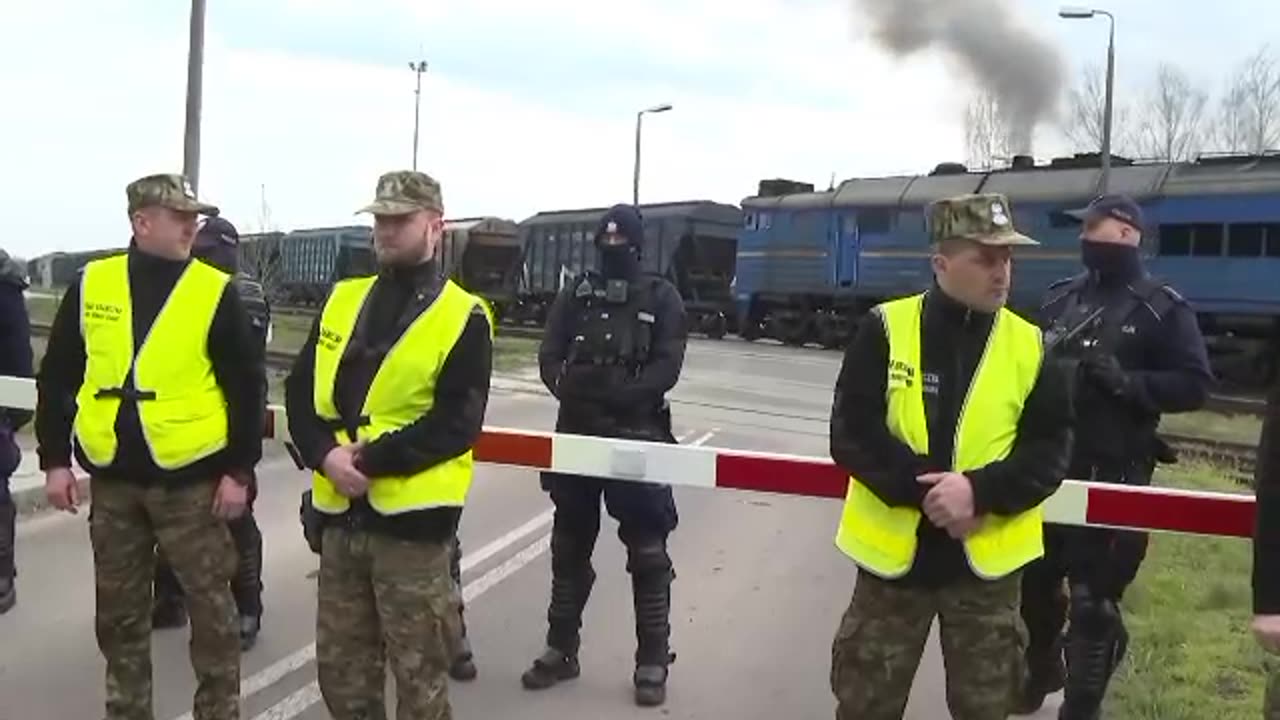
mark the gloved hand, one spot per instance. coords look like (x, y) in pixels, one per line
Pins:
(584, 382)
(1105, 373)
(312, 523)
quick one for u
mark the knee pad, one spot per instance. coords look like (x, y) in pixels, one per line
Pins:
(1093, 615)
(570, 552)
(649, 558)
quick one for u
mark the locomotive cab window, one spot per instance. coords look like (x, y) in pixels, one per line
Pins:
(1175, 240)
(874, 221)
(1208, 240)
(1245, 240)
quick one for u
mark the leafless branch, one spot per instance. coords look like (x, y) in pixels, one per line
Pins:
(1249, 111)
(1084, 119)
(1172, 118)
(987, 138)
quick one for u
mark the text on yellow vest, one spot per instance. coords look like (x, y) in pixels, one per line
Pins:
(403, 389)
(882, 538)
(182, 411)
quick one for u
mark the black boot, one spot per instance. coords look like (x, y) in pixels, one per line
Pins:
(8, 531)
(463, 668)
(1046, 673)
(572, 578)
(651, 577)
(1096, 644)
(250, 626)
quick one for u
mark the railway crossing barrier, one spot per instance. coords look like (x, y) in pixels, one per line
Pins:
(1076, 502)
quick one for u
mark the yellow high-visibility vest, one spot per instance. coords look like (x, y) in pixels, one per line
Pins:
(881, 538)
(403, 389)
(182, 410)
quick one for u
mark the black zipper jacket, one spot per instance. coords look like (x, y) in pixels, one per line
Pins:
(448, 429)
(237, 367)
(1266, 535)
(953, 339)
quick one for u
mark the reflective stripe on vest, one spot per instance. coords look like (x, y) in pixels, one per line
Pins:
(403, 389)
(882, 538)
(181, 409)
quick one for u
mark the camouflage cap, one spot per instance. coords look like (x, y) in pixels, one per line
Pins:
(404, 191)
(166, 190)
(985, 218)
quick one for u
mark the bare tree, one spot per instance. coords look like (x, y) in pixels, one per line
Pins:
(1083, 122)
(1249, 112)
(987, 139)
(1171, 122)
(260, 260)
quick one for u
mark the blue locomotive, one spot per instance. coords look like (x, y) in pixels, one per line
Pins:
(811, 263)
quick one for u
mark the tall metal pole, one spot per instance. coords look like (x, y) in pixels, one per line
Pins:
(195, 66)
(1106, 119)
(635, 179)
(418, 68)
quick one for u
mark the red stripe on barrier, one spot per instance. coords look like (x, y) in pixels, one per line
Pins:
(781, 475)
(512, 449)
(1229, 516)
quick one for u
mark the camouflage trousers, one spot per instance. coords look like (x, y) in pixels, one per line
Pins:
(381, 596)
(126, 522)
(881, 638)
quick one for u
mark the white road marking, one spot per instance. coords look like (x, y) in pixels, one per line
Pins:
(702, 440)
(275, 672)
(293, 705)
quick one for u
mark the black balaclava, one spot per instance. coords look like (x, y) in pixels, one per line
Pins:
(218, 243)
(1111, 261)
(620, 262)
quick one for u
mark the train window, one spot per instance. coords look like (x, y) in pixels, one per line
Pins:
(1272, 231)
(749, 221)
(1245, 240)
(764, 221)
(874, 220)
(1207, 240)
(1175, 240)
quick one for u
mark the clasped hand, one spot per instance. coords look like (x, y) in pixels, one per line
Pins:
(340, 467)
(949, 503)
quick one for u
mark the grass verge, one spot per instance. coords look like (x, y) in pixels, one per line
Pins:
(1191, 654)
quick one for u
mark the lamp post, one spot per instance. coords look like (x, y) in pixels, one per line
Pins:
(1080, 13)
(195, 67)
(418, 68)
(635, 180)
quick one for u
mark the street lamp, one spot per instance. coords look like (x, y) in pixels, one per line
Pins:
(418, 68)
(1080, 13)
(195, 67)
(635, 181)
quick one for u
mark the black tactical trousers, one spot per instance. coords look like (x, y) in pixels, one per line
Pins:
(646, 515)
(8, 521)
(246, 584)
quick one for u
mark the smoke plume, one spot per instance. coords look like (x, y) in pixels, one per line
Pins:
(1023, 72)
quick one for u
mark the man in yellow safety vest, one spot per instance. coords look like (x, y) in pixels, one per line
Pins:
(151, 369)
(385, 401)
(954, 431)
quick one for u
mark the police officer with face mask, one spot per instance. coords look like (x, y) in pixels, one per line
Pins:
(217, 244)
(1136, 352)
(614, 346)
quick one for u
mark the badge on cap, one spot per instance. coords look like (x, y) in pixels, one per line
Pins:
(186, 188)
(611, 227)
(998, 215)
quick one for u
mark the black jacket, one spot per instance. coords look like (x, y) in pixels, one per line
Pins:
(953, 339)
(1160, 349)
(451, 427)
(611, 399)
(1266, 535)
(237, 368)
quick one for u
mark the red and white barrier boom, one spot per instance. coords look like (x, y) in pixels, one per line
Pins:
(1075, 503)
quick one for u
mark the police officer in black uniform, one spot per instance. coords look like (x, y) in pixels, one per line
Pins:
(1137, 352)
(15, 361)
(613, 348)
(217, 243)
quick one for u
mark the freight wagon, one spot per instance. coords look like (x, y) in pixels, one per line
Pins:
(692, 244)
(312, 260)
(811, 263)
(483, 256)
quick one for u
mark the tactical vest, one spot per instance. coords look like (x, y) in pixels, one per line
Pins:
(609, 330)
(882, 539)
(255, 304)
(180, 406)
(403, 389)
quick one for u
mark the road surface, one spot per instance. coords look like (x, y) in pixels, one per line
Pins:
(759, 592)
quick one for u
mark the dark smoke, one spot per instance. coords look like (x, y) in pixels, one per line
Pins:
(1022, 71)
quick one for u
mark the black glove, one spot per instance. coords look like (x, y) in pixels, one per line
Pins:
(1105, 373)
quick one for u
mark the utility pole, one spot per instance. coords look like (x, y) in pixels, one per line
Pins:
(1084, 13)
(418, 68)
(195, 68)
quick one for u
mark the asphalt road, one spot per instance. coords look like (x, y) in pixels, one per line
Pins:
(759, 593)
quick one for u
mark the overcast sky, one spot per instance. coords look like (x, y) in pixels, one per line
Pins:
(526, 106)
